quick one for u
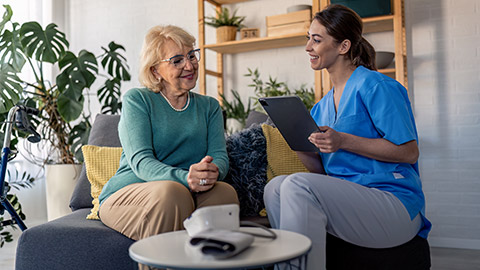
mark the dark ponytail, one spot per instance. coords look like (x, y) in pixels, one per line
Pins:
(343, 23)
(363, 54)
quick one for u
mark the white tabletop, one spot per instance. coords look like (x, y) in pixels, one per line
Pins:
(169, 250)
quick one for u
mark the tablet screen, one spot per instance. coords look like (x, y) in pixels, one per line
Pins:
(293, 120)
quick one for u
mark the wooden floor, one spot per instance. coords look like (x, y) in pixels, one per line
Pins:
(455, 259)
(442, 258)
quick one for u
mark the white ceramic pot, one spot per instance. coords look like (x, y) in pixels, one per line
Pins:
(60, 180)
(233, 125)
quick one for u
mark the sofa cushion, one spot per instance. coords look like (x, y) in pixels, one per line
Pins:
(104, 132)
(281, 159)
(255, 117)
(101, 164)
(73, 242)
(247, 173)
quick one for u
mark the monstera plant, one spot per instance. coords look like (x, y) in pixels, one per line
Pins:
(31, 49)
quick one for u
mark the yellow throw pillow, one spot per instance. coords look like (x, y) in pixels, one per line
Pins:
(101, 164)
(280, 158)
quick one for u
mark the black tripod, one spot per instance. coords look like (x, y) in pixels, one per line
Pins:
(18, 116)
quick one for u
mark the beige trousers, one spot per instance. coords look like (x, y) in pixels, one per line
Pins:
(145, 209)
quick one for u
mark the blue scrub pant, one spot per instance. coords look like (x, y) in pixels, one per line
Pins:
(314, 204)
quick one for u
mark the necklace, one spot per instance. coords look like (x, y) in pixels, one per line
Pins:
(175, 109)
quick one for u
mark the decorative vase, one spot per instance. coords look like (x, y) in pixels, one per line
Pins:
(60, 180)
(226, 33)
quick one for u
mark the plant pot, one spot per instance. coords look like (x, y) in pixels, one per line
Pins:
(233, 125)
(60, 180)
(226, 33)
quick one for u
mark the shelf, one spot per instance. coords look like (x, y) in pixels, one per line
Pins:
(387, 71)
(378, 24)
(255, 44)
(226, 2)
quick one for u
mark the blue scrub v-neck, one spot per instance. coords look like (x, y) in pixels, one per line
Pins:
(335, 113)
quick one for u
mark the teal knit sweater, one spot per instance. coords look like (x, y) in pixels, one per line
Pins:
(160, 143)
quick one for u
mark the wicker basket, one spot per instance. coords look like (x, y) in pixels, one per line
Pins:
(226, 33)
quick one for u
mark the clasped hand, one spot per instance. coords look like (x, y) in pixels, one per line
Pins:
(203, 175)
(327, 141)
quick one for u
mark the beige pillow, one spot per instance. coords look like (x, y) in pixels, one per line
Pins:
(101, 163)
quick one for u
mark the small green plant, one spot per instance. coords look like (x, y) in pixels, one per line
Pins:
(273, 88)
(236, 109)
(224, 18)
(16, 181)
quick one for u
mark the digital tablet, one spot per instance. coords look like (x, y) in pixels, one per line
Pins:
(293, 120)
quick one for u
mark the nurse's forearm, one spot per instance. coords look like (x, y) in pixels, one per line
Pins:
(381, 149)
(311, 161)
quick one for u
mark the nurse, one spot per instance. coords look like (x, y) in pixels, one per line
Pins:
(371, 195)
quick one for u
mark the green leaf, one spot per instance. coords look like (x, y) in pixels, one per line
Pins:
(11, 49)
(78, 137)
(223, 18)
(85, 65)
(10, 88)
(47, 46)
(78, 73)
(7, 15)
(70, 104)
(109, 95)
(115, 63)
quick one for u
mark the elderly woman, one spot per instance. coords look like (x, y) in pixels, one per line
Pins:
(174, 154)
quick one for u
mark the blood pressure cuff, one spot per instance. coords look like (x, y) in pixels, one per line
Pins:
(220, 244)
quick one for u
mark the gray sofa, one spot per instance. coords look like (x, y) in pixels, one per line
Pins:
(73, 242)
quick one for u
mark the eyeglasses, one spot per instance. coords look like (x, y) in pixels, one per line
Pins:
(179, 61)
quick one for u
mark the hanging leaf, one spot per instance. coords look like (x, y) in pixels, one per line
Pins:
(78, 73)
(47, 46)
(70, 104)
(7, 15)
(109, 95)
(11, 49)
(114, 62)
(78, 137)
(10, 88)
(85, 65)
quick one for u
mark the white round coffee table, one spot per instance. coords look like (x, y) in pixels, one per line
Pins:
(168, 250)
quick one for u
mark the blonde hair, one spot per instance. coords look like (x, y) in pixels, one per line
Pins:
(152, 51)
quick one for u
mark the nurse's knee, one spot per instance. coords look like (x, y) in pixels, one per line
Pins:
(272, 188)
(295, 183)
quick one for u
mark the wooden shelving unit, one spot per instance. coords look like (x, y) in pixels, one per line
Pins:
(394, 22)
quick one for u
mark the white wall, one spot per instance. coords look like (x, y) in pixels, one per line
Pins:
(443, 38)
(444, 74)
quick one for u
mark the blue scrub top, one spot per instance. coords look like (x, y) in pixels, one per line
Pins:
(374, 106)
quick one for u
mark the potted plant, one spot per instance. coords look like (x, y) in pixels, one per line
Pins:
(227, 25)
(236, 112)
(273, 88)
(62, 121)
